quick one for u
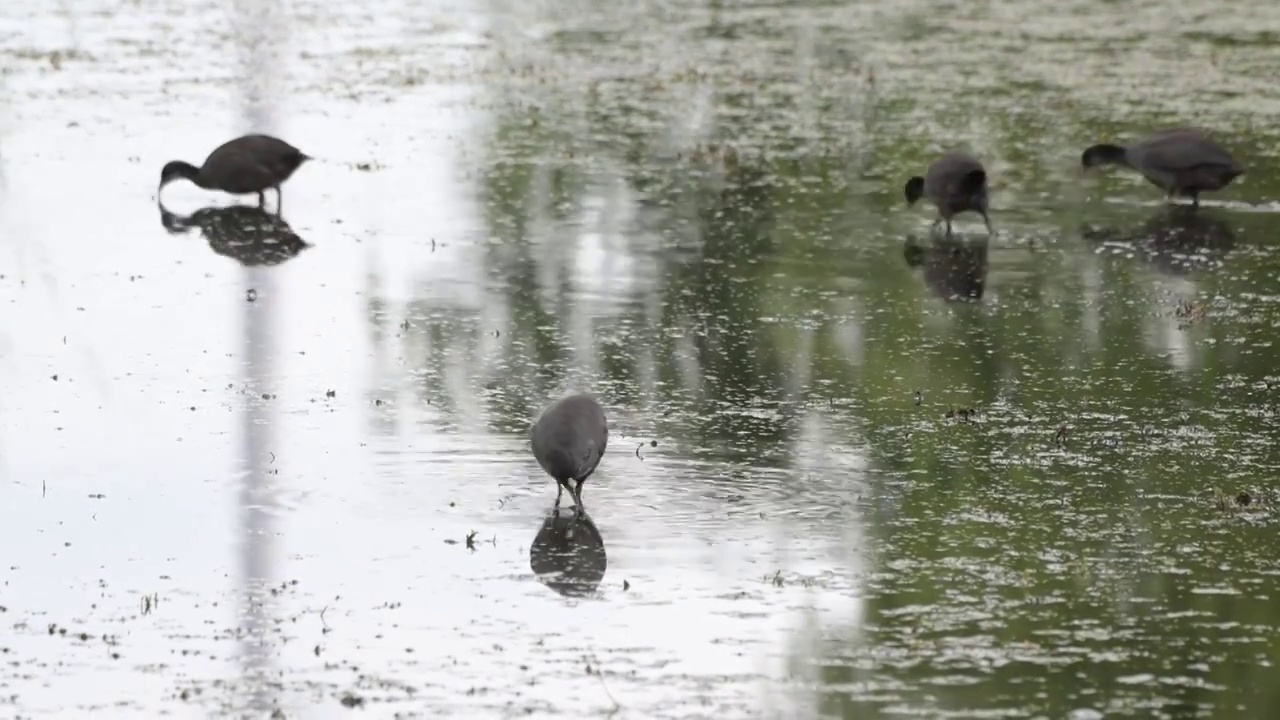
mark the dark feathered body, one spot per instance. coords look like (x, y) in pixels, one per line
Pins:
(568, 442)
(954, 183)
(248, 164)
(1182, 161)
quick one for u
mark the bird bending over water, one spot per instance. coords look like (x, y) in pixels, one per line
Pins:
(1182, 162)
(568, 441)
(249, 164)
(954, 183)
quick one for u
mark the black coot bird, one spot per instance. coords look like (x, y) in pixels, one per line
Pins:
(1181, 161)
(249, 164)
(568, 441)
(954, 183)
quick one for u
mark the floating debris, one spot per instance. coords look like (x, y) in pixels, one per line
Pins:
(1241, 502)
(1060, 437)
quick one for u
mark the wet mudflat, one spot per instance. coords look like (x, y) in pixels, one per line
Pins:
(255, 466)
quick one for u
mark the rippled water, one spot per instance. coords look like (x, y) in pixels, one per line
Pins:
(254, 465)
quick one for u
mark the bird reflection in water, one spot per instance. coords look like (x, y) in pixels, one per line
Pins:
(1176, 240)
(249, 235)
(568, 555)
(954, 269)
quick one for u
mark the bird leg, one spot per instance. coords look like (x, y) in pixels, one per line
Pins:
(279, 200)
(987, 220)
(1195, 201)
(262, 200)
(577, 498)
(559, 493)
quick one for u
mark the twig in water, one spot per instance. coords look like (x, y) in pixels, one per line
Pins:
(616, 705)
(1060, 436)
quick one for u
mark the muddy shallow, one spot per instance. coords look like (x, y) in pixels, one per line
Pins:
(256, 466)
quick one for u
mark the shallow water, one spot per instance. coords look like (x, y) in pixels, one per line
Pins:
(252, 466)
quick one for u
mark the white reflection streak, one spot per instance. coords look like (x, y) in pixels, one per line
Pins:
(1091, 322)
(255, 23)
(821, 450)
(4, 338)
(1165, 331)
(847, 334)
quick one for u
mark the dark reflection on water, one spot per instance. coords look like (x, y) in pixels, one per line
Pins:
(765, 329)
(954, 267)
(712, 235)
(567, 555)
(247, 234)
(772, 326)
(713, 299)
(1177, 240)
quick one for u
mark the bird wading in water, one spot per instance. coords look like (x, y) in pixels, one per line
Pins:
(246, 165)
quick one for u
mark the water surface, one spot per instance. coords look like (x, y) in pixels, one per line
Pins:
(254, 465)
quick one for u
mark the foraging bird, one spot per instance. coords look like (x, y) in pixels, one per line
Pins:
(955, 182)
(249, 164)
(568, 441)
(1182, 161)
